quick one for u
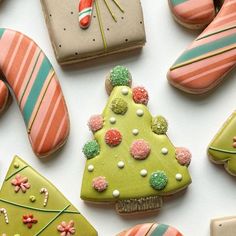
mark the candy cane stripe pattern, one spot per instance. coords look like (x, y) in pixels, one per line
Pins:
(151, 229)
(210, 57)
(45, 191)
(85, 13)
(33, 81)
(4, 212)
(4, 96)
(193, 14)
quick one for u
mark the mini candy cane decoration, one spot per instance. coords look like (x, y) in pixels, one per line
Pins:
(45, 191)
(85, 13)
(4, 212)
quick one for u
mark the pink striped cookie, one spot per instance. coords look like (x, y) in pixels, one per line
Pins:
(33, 81)
(211, 56)
(4, 96)
(193, 14)
(151, 229)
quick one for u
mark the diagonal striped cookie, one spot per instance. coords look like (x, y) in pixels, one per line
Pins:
(193, 14)
(33, 81)
(151, 229)
(211, 56)
(4, 96)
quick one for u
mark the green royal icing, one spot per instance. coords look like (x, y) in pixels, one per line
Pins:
(120, 76)
(119, 106)
(177, 2)
(91, 149)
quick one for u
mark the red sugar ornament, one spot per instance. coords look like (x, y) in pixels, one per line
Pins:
(140, 95)
(113, 137)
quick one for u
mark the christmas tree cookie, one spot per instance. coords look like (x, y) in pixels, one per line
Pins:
(30, 206)
(131, 162)
(222, 149)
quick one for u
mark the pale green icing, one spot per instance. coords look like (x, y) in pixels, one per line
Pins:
(128, 180)
(19, 204)
(221, 149)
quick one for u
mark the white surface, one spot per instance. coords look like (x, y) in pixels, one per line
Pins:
(193, 121)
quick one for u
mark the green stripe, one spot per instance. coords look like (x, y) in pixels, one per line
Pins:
(2, 30)
(177, 2)
(36, 89)
(222, 150)
(87, 11)
(206, 48)
(160, 230)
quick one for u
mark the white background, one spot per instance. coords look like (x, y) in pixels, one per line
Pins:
(193, 121)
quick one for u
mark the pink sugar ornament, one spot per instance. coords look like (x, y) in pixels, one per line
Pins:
(100, 184)
(95, 123)
(183, 156)
(140, 95)
(140, 149)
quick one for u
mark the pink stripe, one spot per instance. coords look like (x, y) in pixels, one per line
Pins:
(50, 122)
(222, 18)
(171, 232)
(43, 110)
(143, 230)
(5, 44)
(14, 54)
(208, 72)
(32, 80)
(200, 14)
(22, 65)
(59, 131)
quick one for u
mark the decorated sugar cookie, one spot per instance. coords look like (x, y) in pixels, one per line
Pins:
(151, 229)
(223, 227)
(31, 205)
(34, 83)
(4, 96)
(222, 149)
(131, 162)
(203, 65)
(193, 14)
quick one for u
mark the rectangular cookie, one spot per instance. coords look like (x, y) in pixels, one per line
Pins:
(106, 35)
(223, 226)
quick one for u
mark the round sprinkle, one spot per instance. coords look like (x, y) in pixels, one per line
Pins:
(159, 125)
(116, 193)
(95, 123)
(164, 151)
(120, 76)
(32, 198)
(100, 184)
(112, 120)
(135, 132)
(91, 149)
(121, 164)
(119, 106)
(140, 112)
(125, 91)
(113, 137)
(90, 168)
(143, 173)
(16, 165)
(178, 177)
(158, 180)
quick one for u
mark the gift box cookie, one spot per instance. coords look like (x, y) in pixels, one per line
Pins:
(84, 30)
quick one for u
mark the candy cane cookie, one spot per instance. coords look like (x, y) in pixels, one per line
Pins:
(85, 13)
(193, 14)
(34, 83)
(151, 229)
(4, 96)
(211, 56)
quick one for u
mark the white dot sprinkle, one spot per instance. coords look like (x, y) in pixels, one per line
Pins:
(116, 193)
(178, 177)
(112, 120)
(143, 173)
(125, 91)
(121, 164)
(164, 151)
(90, 168)
(139, 112)
(135, 131)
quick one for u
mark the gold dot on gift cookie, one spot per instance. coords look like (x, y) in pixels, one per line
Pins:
(112, 120)
(32, 198)
(16, 165)
(178, 177)
(140, 112)
(135, 132)
(164, 151)
(90, 168)
(125, 91)
(143, 173)
(116, 193)
(121, 164)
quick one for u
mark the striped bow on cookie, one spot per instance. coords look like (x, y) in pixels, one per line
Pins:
(85, 12)
(33, 81)
(151, 229)
(210, 57)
